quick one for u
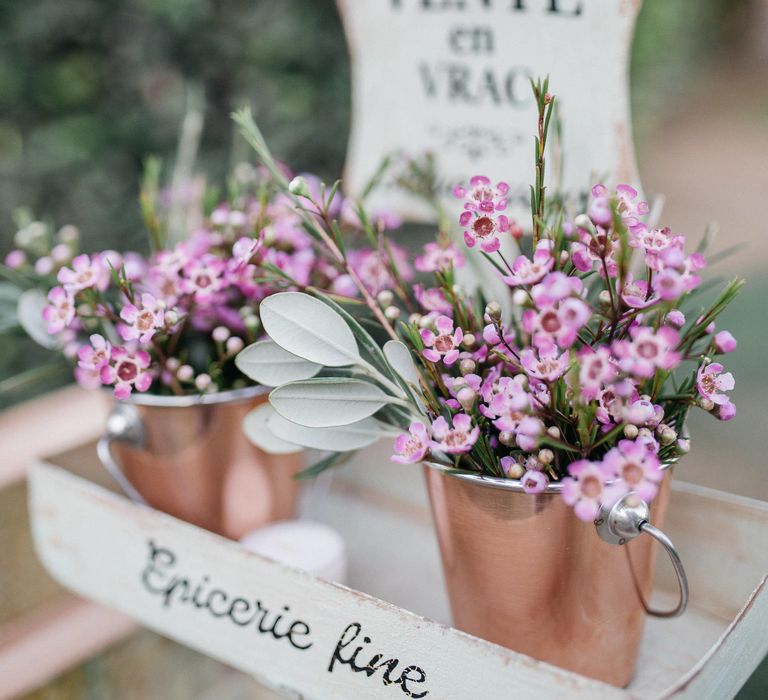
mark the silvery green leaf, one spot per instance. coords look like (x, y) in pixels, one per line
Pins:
(258, 432)
(30, 314)
(308, 328)
(328, 401)
(342, 438)
(267, 363)
(401, 360)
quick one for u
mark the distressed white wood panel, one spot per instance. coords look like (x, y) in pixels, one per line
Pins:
(451, 77)
(98, 544)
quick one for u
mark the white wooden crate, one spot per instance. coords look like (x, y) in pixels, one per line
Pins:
(97, 543)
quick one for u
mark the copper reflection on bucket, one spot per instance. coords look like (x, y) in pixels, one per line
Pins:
(522, 571)
(197, 465)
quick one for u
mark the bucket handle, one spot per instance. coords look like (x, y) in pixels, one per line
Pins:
(629, 518)
(123, 425)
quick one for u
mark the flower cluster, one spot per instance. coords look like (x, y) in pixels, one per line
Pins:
(173, 321)
(583, 380)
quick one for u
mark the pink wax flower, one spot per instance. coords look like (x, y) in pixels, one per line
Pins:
(412, 447)
(590, 250)
(481, 221)
(525, 271)
(556, 325)
(203, 277)
(142, 323)
(455, 439)
(85, 273)
(60, 311)
(710, 382)
(596, 370)
(545, 364)
(96, 355)
(725, 342)
(246, 247)
(636, 294)
(534, 481)
(725, 411)
(642, 412)
(87, 378)
(444, 345)
(432, 299)
(636, 469)
(648, 351)
(372, 266)
(555, 287)
(585, 488)
(127, 371)
(669, 284)
(438, 257)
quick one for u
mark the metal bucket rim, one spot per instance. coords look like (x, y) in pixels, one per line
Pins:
(189, 400)
(514, 485)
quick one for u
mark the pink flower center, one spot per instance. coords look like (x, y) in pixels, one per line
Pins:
(632, 473)
(203, 281)
(647, 349)
(709, 383)
(444, 343)
(483, 227)
(456, 438)
(412, 447)
(595, 369)
(591, 487)
(548, 366)
(127, 371)
(145, 321)
(550, 322)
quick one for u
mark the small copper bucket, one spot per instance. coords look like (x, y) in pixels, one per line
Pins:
(522, 571)
(188, 456)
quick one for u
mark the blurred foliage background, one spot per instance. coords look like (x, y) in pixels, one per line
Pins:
(89, 88)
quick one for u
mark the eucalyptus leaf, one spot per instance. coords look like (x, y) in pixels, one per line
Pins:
(339, 439)
(401, 360)
(328, 401)
(267, 363)
(30, 314)
(259, 433)
(308, 328)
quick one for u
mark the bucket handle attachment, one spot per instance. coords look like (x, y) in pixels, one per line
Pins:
(629, 518)
(123, 425)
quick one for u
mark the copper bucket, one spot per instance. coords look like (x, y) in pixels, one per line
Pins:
(522, 571)
(188, 456)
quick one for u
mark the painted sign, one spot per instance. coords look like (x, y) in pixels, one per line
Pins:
(451, 77)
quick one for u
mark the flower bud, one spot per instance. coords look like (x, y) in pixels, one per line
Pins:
(564, 257)
(684, 445)
(519, 297)
(515, 471)
(467, 398)
(553, 432)
(604, 297)
(469, 341)
(668, 436)
(706, 404)
(725, 342)
(171, 318)
(631, 431)
(172, 363)
(385, 298)
(202, 381)
(583, 221)
(467, 366)
(493, 310)
(546, 456)
(299, 187)
(234, 345)
(392, 313)
(220, 334)
(415, 318)
(506, 438)
(185, 373)
(251, 322)
(68, 234)
(425, 322)
(516, 230)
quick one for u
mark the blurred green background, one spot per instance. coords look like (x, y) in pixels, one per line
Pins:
(88, 88)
